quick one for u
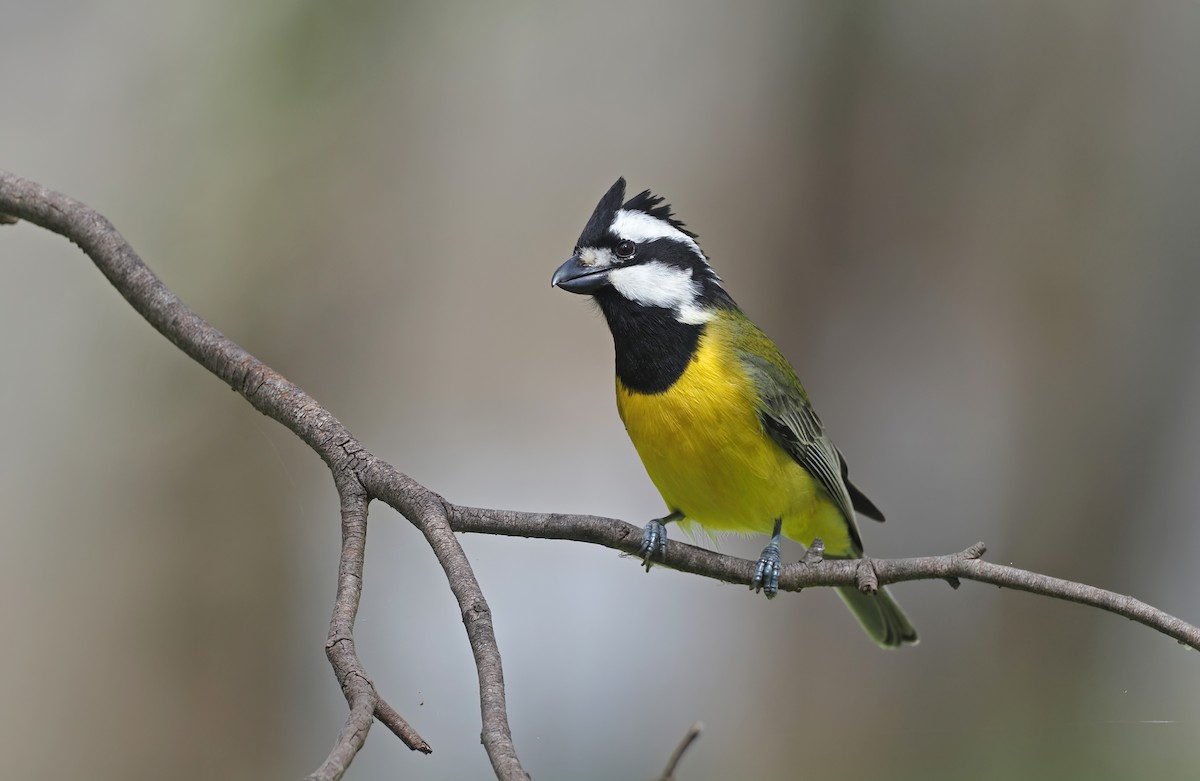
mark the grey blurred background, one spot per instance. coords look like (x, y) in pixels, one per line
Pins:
(972, 227)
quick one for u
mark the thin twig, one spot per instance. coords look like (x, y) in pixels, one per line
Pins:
(399, 491)
(391, 719)
(339, 647)
(688, 739)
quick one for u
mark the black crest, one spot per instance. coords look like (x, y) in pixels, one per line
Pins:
(652, 204)
(597, 227)
(595, 234)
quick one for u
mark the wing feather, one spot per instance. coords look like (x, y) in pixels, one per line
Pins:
(788, 417)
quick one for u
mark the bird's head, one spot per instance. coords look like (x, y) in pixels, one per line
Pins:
(637, 253)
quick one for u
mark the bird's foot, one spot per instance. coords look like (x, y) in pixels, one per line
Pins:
(654, 542)
(766, 572)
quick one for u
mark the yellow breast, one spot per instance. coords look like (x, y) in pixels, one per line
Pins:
(706, 451)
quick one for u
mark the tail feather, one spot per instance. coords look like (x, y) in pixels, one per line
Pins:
(880, 616)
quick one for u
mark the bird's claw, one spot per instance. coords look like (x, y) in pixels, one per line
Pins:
(766, 572)
(654, 542)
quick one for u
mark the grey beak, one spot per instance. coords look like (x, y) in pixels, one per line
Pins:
(574, 277)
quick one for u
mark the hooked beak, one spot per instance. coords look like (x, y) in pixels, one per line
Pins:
(574, 277)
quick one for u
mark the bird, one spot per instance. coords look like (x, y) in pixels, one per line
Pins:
(721, 422)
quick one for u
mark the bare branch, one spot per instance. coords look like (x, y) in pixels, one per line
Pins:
(360, 477)
(273, 395)
(861, 573)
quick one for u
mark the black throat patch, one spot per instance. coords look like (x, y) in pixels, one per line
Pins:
(653, 348)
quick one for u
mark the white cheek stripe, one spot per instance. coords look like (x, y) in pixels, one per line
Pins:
(641, 227)
(658, 285)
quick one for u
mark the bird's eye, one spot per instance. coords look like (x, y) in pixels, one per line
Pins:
(625, 249)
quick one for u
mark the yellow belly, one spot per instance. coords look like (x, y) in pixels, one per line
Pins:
(706, 451)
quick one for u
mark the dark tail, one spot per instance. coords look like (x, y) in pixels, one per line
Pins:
(880, 616)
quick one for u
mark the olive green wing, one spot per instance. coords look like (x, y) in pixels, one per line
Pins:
(789, 419)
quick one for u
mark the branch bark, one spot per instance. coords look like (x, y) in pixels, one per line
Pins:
(360, 477)
(865, 574)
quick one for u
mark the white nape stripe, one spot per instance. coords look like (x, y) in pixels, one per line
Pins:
(694, 315)
(659, 285)
(641, 227)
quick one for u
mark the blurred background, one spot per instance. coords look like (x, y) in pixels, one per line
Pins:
(972, 227)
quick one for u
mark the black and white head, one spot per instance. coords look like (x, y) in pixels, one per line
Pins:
(636, 255)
